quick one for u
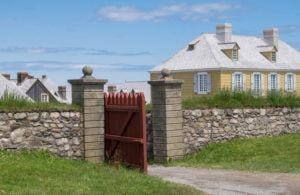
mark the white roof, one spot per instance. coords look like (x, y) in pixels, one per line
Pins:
(137, 86)
(49, 84)
(207, 55)
(11, 88)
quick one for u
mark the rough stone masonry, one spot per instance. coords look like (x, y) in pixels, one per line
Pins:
(214, 125)
(59, 133)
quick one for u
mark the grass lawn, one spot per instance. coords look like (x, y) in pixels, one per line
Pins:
(229, 99)
(40, 173)
(267, 154)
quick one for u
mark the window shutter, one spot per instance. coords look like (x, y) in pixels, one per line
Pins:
(269, 82)
(262, 85)
(244, 82)
(232, 81)
(295, 82)
(252, 81)
(278, 82)
(208, 82)
(196, 83)
(286, 82)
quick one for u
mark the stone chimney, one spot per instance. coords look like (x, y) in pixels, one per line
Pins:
(7, 76)
(21, 77)
(62, 91)
(224, 32)
(111, 88)
(271, 36)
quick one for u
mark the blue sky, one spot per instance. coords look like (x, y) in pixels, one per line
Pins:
(123, 39)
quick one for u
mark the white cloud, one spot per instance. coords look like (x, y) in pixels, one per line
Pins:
(181, 11)
(82, 50)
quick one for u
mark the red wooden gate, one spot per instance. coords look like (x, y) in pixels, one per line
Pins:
(125, 129)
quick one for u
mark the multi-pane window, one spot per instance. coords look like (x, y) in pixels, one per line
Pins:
(273, 56)
(44, 97)
(273, 82)
(290, 82)
(203, 84)
(257, 84)
(238, 82)
(235, 54)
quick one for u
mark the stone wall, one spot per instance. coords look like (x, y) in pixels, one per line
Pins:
(214, 125)
(58, 132)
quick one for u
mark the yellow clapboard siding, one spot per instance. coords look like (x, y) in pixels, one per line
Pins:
(223, 80)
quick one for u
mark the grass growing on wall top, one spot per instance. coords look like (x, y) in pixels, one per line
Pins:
(229, 99)
(13, 103)
(267, 154)
(40, 173)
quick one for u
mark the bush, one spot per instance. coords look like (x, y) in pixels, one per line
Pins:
(238, 99)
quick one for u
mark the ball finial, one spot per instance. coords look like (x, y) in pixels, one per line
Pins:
(87, 71)
(165, 73)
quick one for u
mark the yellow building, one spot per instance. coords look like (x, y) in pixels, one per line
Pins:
(221, 60)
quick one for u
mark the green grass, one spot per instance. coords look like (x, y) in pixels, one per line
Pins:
(267, 154)
(40, 173)
(228, 99)
(12, 103)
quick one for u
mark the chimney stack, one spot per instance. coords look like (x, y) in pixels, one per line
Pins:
(44, 76)
(21, 77)
(62, 91)
(111, 88)
(7, 76)
(271, 36)
(224, 32)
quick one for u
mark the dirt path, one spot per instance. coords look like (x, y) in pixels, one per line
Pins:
(214, 181)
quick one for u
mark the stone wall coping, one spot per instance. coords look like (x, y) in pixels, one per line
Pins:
(166, 81)
(88, 81)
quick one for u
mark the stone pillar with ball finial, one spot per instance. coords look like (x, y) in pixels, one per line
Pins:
(87, 92)
(167, 118)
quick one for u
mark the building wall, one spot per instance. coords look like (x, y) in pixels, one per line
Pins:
(36, 90)
(222, 80)
(188, 85)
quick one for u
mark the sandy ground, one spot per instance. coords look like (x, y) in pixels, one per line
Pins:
(216, 181)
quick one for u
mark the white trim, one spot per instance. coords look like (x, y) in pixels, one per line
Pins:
(293, 84)
(233, 81)
(208, 83)
(261, 88)
(44, 97)
(276, 81)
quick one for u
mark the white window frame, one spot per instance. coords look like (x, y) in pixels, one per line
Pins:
(277, 87)
(44, 97)
(290, 87)
(242, 81)
(261, 88)
(197, 84)
(235, 54)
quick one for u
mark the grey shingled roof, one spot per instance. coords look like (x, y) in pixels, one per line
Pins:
(49, 84)
(208, 55)
(11, 88)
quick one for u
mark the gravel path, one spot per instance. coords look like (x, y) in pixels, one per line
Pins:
(216, 181)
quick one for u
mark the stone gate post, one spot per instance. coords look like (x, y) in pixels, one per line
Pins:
(167, 118)
(87, 92)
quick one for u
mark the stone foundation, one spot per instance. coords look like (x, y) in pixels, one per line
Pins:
(59, 133)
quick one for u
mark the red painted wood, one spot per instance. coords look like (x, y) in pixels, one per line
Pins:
(125, 129)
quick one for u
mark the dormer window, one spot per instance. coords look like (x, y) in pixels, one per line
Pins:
(191, 47)
(235, 55)
(273, 56)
